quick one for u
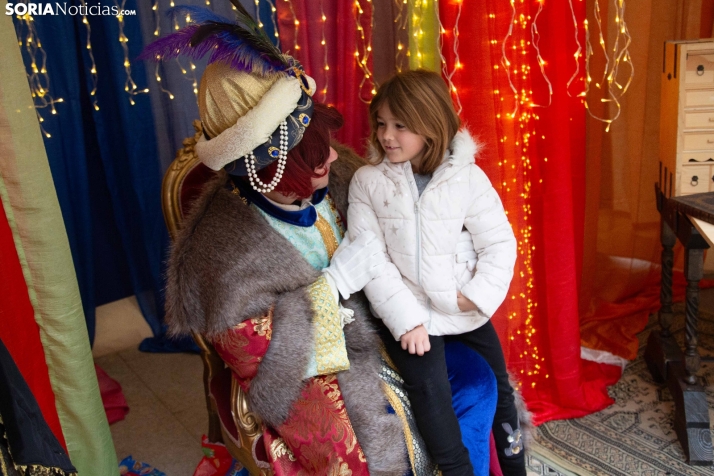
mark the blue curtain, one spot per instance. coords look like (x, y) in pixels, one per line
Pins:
(108, 163)
(104, 163)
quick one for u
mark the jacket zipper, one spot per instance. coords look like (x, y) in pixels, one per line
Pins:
(417, 199)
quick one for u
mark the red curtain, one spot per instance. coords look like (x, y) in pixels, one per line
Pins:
(341, 82)
(19, 330)
(536, 161)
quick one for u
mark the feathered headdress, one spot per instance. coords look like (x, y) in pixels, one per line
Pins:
(277, 90)
(243, 44)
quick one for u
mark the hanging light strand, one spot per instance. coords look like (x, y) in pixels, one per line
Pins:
(449, 75)
(157, 32)
(362, 57)
(257, 13)
(129, 85)
(37, 77)
(609, 82)
(401, 20)
(190, 73)
(273, 18)
(190, 77)
(535, 40)
(157, 18)
(578, 53)
(517, 157)
(93, 69)
(417, 31)
(505, 62)
(296, 23)
(323, 42)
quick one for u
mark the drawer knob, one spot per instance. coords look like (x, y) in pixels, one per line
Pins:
(695, 181)
(700, 70)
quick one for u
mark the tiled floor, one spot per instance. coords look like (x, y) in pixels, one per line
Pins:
(167, 409)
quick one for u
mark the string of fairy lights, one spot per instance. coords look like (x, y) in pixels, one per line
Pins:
(417, 31)
(362, 57)
(323, 43)
(93, 70)
(620, 54)
(449, 75)
(130, 86)
(578, 53)
(296, 23)
(37, 76)
(157, 33)
(517, 125)
(609, 81)
(401, 21)
(518, 153)
(535, 41)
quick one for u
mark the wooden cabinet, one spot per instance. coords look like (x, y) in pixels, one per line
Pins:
(687, 116)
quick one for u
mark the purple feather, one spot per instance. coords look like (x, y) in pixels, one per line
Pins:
(171, 46)
(245, 48)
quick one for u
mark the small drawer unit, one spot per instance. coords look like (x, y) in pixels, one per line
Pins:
(687, 116)
(696, 179)
(700, 68)
(699, 120)
(699, 98)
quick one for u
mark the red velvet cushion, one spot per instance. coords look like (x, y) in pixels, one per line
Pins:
(221, 392)
(193, 184)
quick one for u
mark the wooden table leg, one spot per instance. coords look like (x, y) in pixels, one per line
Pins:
(693, 272)
(662, 349)
(691, 415)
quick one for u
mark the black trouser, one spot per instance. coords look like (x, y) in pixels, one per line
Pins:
(427, 383)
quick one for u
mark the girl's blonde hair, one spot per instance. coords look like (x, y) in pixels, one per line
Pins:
(421, 100)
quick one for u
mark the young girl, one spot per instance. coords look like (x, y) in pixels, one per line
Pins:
(423, 190)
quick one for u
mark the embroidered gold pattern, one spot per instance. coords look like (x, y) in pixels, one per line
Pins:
(263, 325)
(278, 449)
(322, 412)
(399, 410)
(340, 469)
(328, 235)
(330, 347)
(235, 191)
(338, 217)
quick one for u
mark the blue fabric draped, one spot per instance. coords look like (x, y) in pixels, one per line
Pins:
(108, 164)
(474, 395)
(104, 163)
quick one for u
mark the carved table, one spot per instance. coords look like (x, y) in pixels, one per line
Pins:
(663, 356)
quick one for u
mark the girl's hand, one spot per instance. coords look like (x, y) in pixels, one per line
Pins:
(416, 341)
(464, 303)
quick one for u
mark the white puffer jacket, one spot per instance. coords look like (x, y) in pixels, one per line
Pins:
(420, 233)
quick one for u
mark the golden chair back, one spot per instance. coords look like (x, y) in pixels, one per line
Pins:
(238, 429)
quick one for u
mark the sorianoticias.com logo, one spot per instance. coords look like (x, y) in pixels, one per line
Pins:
(62, 8)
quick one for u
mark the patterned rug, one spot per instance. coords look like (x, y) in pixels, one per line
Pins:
(634, 436)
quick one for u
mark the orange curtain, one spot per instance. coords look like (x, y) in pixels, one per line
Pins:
(620, 280)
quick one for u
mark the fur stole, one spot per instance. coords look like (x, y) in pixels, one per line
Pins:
(227, 265)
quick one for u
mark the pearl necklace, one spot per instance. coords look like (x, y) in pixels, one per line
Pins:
(282, 159)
